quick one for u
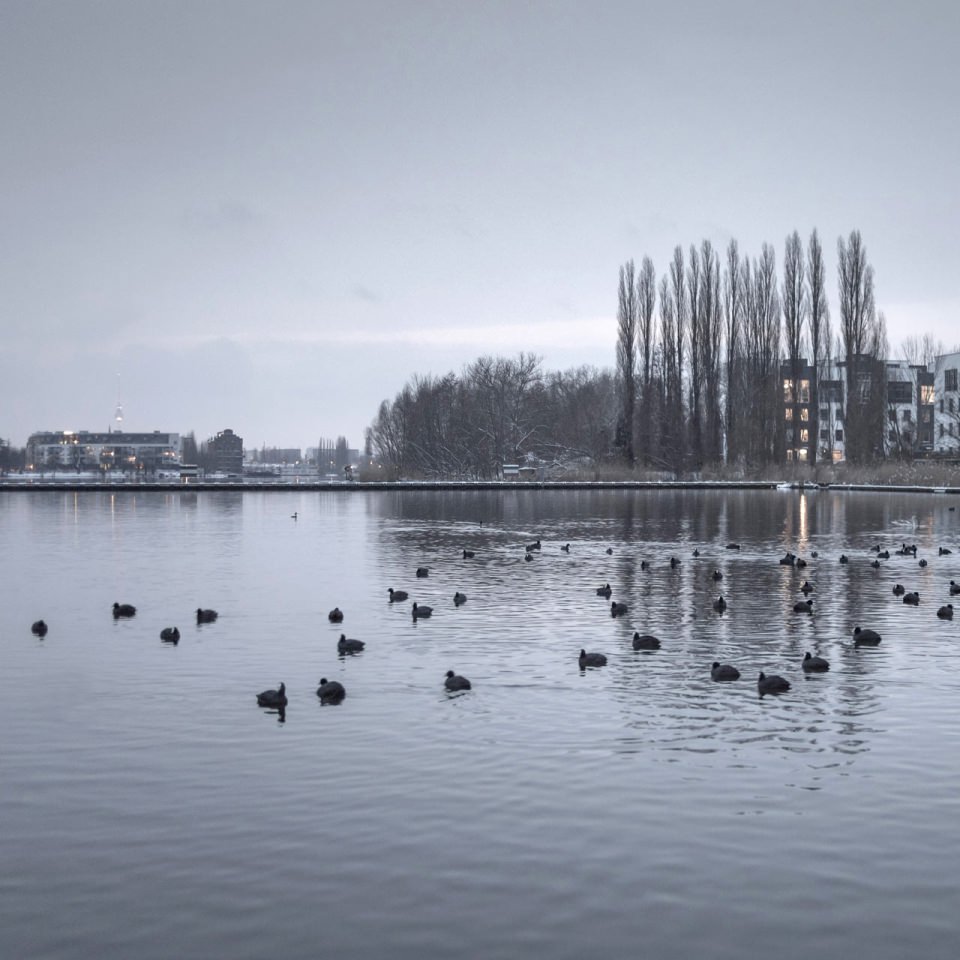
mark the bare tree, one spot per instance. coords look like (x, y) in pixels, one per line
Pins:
(389, 431)
(733, 316)
(583, 404)
(921, 350)
(432, 422)
(646, 332)
(762, 357)
(857, 328)
(504, 394)
(910, 411)
(15, 458)
(769, 313)
(711, 334)
(794, 300)
(678, 313)
(466, 426)
(626, 360)
(671, 403)
(695, 321)
(819, 314)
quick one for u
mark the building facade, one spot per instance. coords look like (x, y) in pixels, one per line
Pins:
(909, 393)
(813, 412)
(907, 409)
(946, 403)
(83, 451)
(224, 453)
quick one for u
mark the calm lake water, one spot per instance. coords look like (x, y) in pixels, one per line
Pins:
(149, 809)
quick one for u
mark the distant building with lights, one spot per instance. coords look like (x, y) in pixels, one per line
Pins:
(81, 450)
(224, 453)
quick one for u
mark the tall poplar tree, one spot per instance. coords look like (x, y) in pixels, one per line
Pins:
(794, 302)
(626, 361)
(819, 323)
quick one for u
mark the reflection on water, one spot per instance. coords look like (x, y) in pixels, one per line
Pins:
(640, 798)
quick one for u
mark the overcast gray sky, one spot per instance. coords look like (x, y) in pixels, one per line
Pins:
(268, 216)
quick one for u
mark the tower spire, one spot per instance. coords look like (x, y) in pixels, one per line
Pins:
(118, 415)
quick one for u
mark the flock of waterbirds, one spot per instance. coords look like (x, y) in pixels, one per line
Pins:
(773, 684)
(333, 692)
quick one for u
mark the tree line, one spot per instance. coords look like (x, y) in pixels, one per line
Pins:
(496, 411)
(697, 378)
(708, 389)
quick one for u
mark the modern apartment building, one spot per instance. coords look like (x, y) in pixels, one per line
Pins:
(910, 392)
(918, 408)
(814, 413)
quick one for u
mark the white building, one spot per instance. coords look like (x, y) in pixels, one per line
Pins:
(946, 370)
(81, 450)
(910, 391)
(908, 403)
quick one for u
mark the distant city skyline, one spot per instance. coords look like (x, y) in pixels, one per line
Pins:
(269, 217)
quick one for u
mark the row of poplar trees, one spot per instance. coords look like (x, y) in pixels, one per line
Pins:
(699, 352)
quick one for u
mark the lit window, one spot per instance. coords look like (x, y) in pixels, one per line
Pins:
(805, 414)
(804, 391)
(804, 435)
(927, 394)
(789, 413)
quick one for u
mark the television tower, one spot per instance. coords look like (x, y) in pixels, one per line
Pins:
(118, 416)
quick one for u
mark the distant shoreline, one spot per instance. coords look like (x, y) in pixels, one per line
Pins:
(19, 484)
